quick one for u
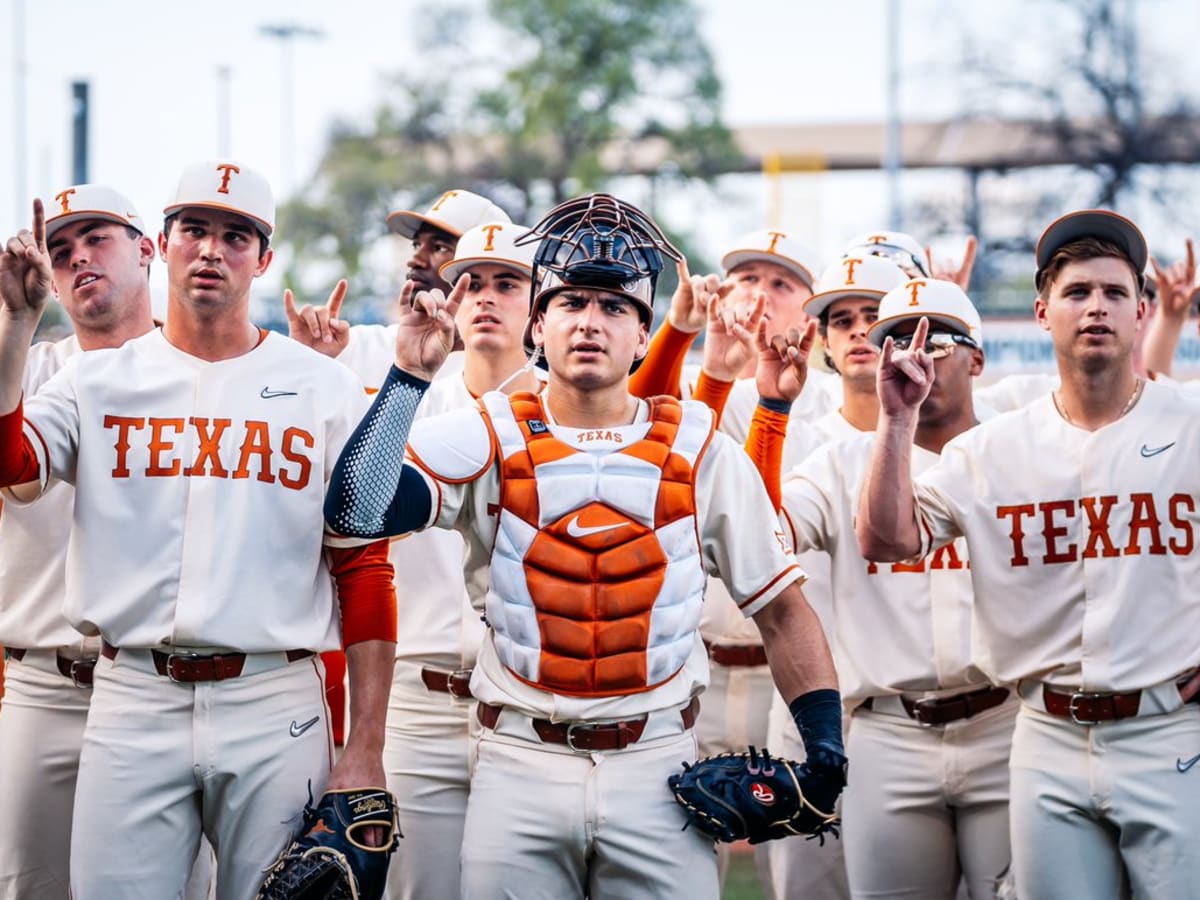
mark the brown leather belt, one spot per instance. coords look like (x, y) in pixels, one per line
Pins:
(192, 667)
(944, 710)
(1088, 707)
(737, 654)
(81, 670)
(587, 737)
(456, 683)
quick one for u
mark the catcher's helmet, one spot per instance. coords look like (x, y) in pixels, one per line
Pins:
(601, 242)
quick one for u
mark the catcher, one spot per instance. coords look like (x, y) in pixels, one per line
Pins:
(600, 516)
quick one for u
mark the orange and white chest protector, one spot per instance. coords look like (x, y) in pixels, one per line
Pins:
(597, 578)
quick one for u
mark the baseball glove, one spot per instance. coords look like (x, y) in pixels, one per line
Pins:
(753, 796)
(326, 860)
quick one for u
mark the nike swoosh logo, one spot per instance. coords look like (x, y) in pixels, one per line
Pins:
(297, 730)
(268, 394)
(1147, 452)
(574, 529)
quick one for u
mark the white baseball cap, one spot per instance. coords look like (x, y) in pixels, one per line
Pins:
(223, 184)
(773, 246)
(902, 249)
(854, 276)
(490, 243)
(91, 201)
(455, 212)
(942, 302)
(1097, 223)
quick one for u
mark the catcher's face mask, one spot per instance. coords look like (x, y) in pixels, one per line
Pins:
(600, 242)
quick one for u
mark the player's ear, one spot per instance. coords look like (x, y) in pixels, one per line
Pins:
(162, 245)
(643, 345)
(264, 262)
(145, 251)
(537, 332)
(976, 363)
(1040, 310)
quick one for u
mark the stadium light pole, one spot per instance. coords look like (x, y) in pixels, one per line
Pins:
(892, 154)
(19, 125)
(286, 33)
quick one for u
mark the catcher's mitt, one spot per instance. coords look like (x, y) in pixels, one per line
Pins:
(755, 797)
(327, 860)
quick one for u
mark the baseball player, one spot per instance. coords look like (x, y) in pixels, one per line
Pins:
(845, 306)
(99, 259)
(1081, 526)
(429, 716)
(215, 439)
(738, 700)
(934, 801)
(580, 502)
(434, 233)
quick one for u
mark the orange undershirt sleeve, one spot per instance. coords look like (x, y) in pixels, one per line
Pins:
(366, 594)
(764, 444)
(662, 367)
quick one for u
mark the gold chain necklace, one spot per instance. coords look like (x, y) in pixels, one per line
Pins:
(1133, 398)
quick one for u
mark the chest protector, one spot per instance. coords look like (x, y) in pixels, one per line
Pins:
(597, 576)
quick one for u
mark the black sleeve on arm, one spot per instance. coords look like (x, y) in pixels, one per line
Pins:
(373, 493)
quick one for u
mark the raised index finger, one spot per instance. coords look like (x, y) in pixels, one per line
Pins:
(39, 224)
(920, 333)
(456, 295)
(336, 298)
(1191, 260)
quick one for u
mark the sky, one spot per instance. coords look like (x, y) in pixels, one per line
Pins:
(156, 91)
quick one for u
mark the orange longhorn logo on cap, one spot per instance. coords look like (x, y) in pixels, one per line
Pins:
(491, 230)
(878, 239)
(850, 263)
(775, 236)
(442, 199)
(228, 169)
(64, 199)
(914, 288)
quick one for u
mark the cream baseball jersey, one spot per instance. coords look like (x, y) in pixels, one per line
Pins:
(733, 522)
(1014, 391)
(1082, 544)
(721, 621)
(33, 539)
(198, 491)
(899, 627)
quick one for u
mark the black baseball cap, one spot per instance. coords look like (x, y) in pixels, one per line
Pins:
(1096, 223)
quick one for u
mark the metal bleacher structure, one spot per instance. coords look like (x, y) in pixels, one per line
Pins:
(974, 147)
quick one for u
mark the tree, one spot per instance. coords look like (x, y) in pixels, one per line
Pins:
(568, 89)
(1089, 93)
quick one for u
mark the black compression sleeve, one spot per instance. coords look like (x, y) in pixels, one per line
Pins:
(373, 493)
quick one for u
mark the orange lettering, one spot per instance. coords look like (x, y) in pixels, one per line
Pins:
(775, 236)
(210, 447)
(1018, 533)
(878, 239)
(1098, 526)
(491, 230)
(442, 199)
(228, 169)
(1183, 547)
(160, 445)
(850, 264)
(257, 443)
(300, 480)
(1051, 532)
(902, 568)
(913, 288)
(65, 199)
(1144, 518)
(947, 558)
(123, 424)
